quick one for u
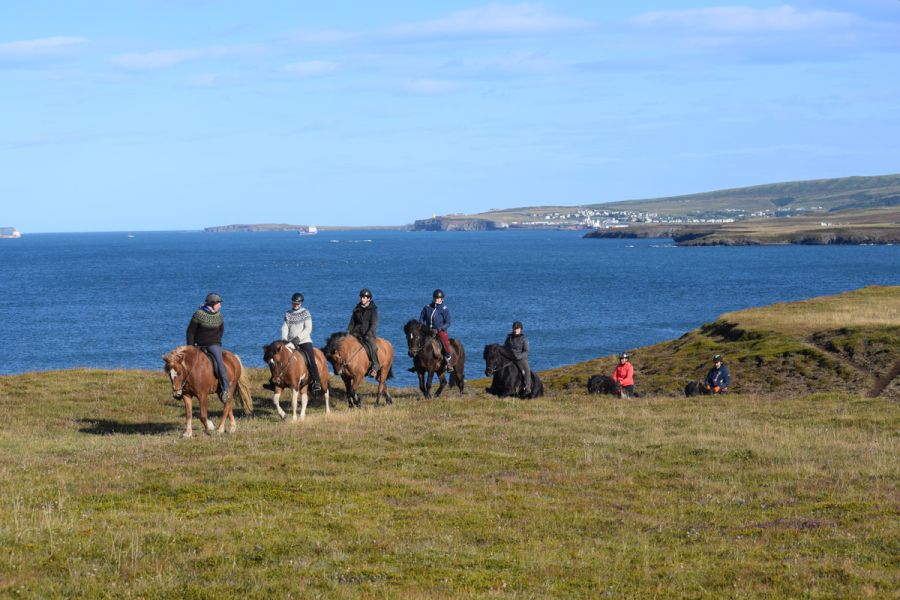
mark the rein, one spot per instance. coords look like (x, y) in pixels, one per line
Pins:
(498, 369)
(278, 378)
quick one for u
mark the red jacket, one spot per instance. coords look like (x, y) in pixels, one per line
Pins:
(624, 374)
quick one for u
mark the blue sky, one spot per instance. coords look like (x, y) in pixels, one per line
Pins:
(179, 114)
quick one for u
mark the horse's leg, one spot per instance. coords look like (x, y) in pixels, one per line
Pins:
(421, 375)
(382, 389)
(204, 414)
(276, 401)
(188, 417)
(294, 394)
(348, 386)
(227, 412)
(357, 382)
(443, 379)
(327, 406)
(304, 398)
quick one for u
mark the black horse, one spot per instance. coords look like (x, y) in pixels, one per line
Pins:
(507, 380)
(425, 350)
(603, 384)
(696, 388)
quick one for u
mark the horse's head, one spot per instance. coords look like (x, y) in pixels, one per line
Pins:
(175, 368)
(491, 359)
(276, 356)
(414, 337)
(333, 351)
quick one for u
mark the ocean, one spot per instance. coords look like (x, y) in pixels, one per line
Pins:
(108, 300)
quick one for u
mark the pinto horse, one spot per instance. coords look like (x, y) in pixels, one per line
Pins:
(192, 376)
(348, 357)
(425, 351)
(290, 371)
(507, 380)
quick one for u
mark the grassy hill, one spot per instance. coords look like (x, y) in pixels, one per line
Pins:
(839, 194)
(848, 343)
(754, 495)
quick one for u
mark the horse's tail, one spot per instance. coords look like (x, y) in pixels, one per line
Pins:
(243, 389)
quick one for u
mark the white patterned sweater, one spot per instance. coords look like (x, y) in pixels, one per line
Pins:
(297, 324)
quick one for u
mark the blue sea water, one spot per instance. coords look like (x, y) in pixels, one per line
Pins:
(107, 300)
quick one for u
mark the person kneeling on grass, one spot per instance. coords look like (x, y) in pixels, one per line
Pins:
(623, 375)
(719, 377)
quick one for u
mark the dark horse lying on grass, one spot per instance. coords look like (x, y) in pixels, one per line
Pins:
(500, 364)
(349, 359)
(425, 350)
(604, 384)
(696, 388)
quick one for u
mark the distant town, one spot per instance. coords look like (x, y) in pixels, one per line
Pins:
(607, 219)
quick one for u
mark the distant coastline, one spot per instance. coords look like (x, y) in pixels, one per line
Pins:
(269, 227)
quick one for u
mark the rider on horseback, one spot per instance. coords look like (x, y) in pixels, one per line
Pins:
(297, 331)
(517, 343)
(719, 377)
(363, 326)
(436, 317)
(205, 330)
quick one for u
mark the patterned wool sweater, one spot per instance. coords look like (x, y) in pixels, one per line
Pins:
(206, 328)
(297, 324)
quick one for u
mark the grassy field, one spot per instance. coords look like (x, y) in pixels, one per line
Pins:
(568, 496)
(753, 495)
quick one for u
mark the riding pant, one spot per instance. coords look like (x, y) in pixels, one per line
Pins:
(216, 351)
(525, 370)
(307, 349)
(445, 342)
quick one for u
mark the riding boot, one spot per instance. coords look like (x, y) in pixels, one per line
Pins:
(447, 359)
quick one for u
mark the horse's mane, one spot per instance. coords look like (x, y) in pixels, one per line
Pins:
(410, 324)
(334, 339)
(176, 355)
(500, 349)
(272, 349)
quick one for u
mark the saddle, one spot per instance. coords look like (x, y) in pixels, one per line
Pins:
(295, 348)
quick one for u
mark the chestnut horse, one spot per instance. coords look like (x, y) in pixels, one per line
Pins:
(289, 371)
(192, 376)
(425, 351)
(350, 361)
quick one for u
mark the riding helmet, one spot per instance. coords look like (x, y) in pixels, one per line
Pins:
(365, 292)
(297, 298)
(517, 324)
(437, 293)
(623, 355)
(717, 358)
(213, 298)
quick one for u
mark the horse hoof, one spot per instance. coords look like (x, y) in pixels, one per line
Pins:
(294, 419)
(187, 434)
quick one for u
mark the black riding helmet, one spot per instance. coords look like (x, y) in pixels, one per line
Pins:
(365, 292)
(439, 293)
(297, 298)
(213, 298)
(717, 358)
(517, 325)
(624, 355)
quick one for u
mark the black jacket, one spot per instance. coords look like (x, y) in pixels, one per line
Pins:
(518, 345)
(364, 320)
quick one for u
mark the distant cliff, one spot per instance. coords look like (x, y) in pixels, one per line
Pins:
(256, 227)
(456, 224)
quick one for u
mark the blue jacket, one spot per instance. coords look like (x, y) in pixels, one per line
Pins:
(720, 377)
(435, 316)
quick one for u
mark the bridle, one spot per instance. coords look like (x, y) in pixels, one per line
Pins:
(489, 369)
(337, 359)
(180, 392)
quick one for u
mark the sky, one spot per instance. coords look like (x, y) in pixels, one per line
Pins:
(129, 115)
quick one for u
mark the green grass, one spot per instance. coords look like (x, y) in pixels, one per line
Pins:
(568, 496)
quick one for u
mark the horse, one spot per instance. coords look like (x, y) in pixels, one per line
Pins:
(425, 351)
(290, 371)
(350, 361)
(603, 384)
(500, 364)
(696, 388)
(192, 376)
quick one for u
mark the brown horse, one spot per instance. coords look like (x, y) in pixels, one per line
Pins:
(425, 351)
(289, 371)
(349, 359)
(192, 377)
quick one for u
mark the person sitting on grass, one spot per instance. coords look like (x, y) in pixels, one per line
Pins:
(623, 375)
(719, 377)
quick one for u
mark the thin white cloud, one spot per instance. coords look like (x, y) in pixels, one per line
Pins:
(493, 19)
(430, 87)
(311, 68)
(40, 49)
(744, 19)
(161, 59)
